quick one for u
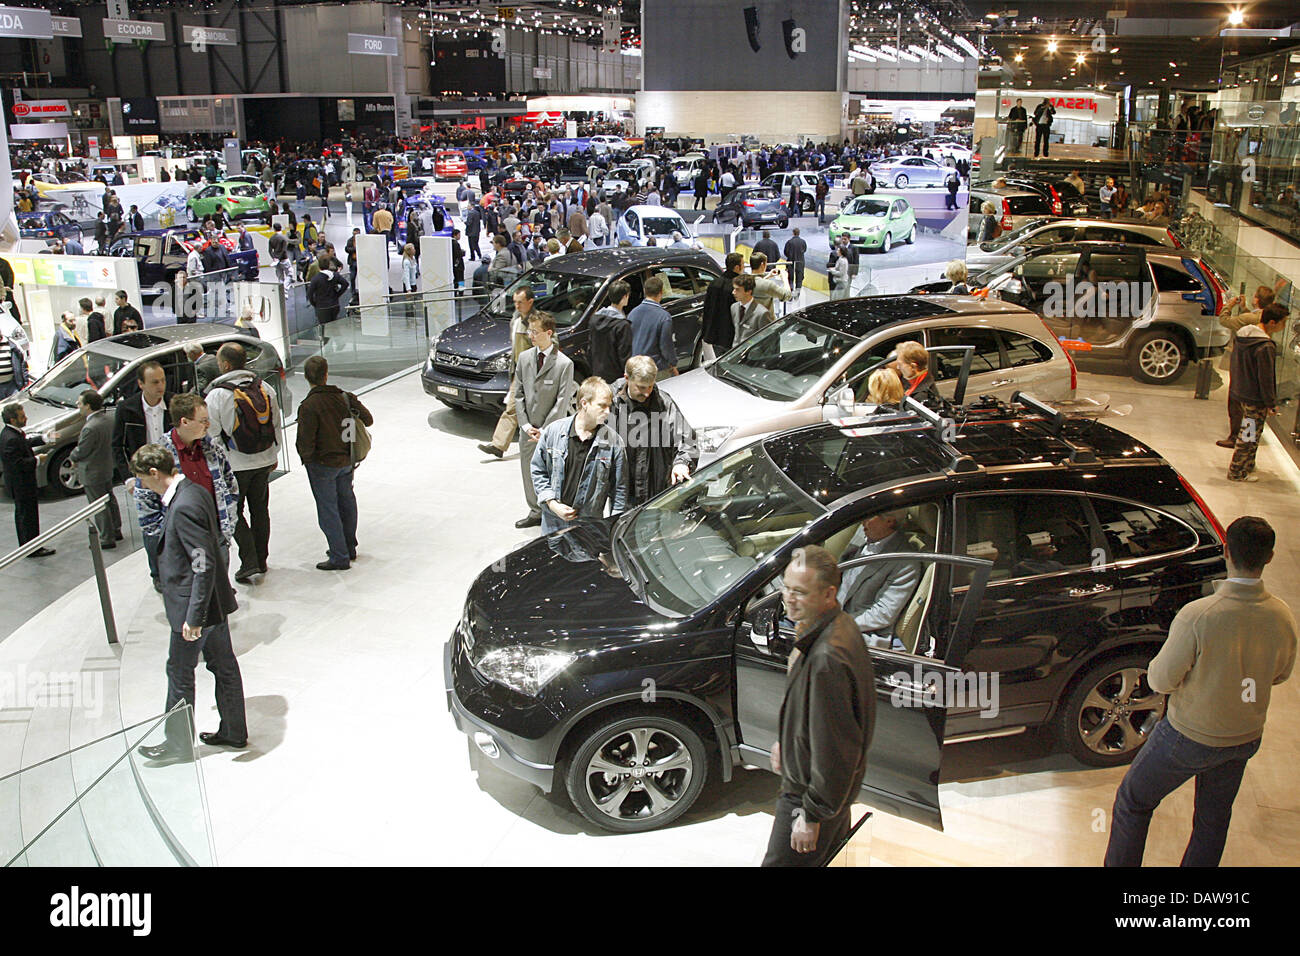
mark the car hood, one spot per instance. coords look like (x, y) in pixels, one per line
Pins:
(557, 589)
(480, 336)
(707, 401)
(42, 418)
(858, 222)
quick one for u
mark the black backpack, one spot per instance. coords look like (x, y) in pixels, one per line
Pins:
(254, 429)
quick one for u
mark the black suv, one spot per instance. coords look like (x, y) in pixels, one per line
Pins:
(628, 659)
(469, 363)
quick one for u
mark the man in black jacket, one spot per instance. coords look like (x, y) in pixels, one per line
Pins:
(125, 310)
(143, 419)
(717, 331)
(20, 463)
(827, 717)
(1254, 386)
(1043, 114)
(659, 443)
(610, 344)
(323, 293)
(101, 233)
(1017, 122)
(198, 598)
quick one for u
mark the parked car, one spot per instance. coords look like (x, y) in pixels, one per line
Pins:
(1051, 555)
(639, 224)
(620, 180)
(1158, 307)
(111, 366)
(469, 363)
(903, 171)
(237, 199)
(875, 222)
(1063, 199)
(161, 253)
(450, 164)
(1045, 232)
(795, 371)
(1014, 206)
(807, 187)
(610, 144)
(48, 225)
(685, 169)
(750, 206)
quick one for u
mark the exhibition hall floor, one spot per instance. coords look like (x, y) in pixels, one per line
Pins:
(353, 758)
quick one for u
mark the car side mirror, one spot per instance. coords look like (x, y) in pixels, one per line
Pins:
(762, 626)
(843, 400)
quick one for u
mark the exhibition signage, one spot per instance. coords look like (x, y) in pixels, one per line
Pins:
(38, 131)
(65, 26)
(124, 31)
(366, 44)
(140, 115)
(25, 22)
(41, 109)
(198, 37)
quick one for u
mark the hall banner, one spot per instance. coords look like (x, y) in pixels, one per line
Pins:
(124, 31)
(83, 202)
(199, 37)
(369, 45)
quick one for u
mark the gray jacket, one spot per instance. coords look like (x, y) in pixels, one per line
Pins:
(541, 398)
(748, 319)
(94, 452)
(875, 594)
(191, 566)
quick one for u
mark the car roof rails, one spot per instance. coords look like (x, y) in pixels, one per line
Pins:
(1079, 454)
(946, 430)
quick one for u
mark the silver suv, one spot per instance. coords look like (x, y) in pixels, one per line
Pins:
(795, 371)
(1014, 206)
(1045, 232)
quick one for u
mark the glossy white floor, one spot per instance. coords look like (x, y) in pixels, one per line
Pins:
(353, 758)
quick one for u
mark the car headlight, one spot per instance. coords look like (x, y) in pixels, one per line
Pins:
(711, 439)
(499, 364)
(433, 346)
(523, 669)
(870, 230)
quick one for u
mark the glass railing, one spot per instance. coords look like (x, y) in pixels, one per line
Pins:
(106, 804)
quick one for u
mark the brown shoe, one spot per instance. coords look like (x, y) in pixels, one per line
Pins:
(1227, 443)
(491, 450)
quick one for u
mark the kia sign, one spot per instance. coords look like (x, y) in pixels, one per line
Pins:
(366, 44)
(198, 37)
(41, 109)
(123, 31)
(25, 22)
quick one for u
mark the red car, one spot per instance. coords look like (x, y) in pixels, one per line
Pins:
(450, 164)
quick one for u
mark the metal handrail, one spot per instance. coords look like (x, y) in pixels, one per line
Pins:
(96, 555)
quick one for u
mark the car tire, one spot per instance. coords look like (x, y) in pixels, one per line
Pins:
(911, 235)
(807, 205)
(1087, 727)
(901, 181)
(629, 742)
(63, 473)
(782, 223)
(887, 243)
(1158, 357)
(189, 214)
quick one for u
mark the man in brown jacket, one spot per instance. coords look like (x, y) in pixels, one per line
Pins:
(827, 717)
(326, 431)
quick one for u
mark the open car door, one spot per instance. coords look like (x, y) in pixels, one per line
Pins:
(907, 744)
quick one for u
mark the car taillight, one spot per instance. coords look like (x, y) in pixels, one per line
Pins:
(1177, 243)
(231, 199)
(1215, 285)
(1006, 215)
(1056, 201)
(750, 202)
(1205, 510)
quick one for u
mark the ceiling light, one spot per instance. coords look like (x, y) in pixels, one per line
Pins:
(1051, 46)
(1020, 58)
(1080, 58)
(1236, 18)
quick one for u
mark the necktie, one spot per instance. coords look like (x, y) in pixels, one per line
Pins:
(541, 360)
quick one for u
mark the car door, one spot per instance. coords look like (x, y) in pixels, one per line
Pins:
(902, 774)
(1112, 291)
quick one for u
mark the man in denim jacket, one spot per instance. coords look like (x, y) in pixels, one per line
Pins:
(564, 493)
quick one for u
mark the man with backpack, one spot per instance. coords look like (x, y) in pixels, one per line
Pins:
(246, 420)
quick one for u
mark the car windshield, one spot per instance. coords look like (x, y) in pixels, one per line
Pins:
(79, 371)
(663, 225)
(1011, 238)
(864, 206)
(692, 543)
(564, 295)
(624, 173)
(784, 360)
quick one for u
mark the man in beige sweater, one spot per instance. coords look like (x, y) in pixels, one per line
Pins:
(1223, 655)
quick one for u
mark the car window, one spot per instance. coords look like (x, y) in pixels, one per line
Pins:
(79, 371)
(210, 192)
(1034, 205)
(987, 356)
(701, 278)
(633, 224)
(866, 206)
(782, 361)
(146, 247)
(1049, 236)
(1133, 531)
(1169, 279)
(677, 282)
(1023, 350)
(1024, 535)
(873, 356)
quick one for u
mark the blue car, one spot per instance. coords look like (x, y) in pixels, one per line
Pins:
(48, 225)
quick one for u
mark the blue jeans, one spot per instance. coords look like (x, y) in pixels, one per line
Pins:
(7, 389)
(336, 509)
(1164, 764)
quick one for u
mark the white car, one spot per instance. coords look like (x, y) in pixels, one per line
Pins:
(903, 171)
(606, 144)
(641, 223)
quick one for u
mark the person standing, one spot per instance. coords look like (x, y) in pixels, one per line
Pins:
(1219, 664)
(473, 227)
(504, 432)
(1107, 194)
(766, 246)
(93, 456)
(19, 464)
(198, 598)
(579, 467)
(350, 251)
(543, 393)
(652, 328)
(1234, 321)
(246, 420)
(658, 443)
(13, 368)
(324, 292)
(953, 182)
(718, 330)
(610, 343)
(748, 314)
(325, 422)
(1253, 386)
(125, 310)
(770, 285)
(795, 252)
(837, 274)
(701, 187)
(827, 717)
(143, 419)
(1043, 114)
(823, 190)
(1017, 122)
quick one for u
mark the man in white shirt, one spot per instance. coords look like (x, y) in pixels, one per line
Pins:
(726, 182)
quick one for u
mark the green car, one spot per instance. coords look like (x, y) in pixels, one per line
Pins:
(875, 222)
(235, 198)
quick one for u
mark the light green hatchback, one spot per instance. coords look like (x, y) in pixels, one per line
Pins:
(875, 222)
(237, 199)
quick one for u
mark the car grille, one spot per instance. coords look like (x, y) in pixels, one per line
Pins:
(461, 366)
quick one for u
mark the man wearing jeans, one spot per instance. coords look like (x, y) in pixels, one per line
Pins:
(1223, 655)
(325, 434)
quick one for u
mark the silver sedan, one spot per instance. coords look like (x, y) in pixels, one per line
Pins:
(902, 171)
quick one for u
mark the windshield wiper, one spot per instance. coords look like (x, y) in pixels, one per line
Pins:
(738, 382)
(637, 578)
(47, 401)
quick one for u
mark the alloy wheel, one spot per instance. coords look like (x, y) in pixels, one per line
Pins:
(1160, 358)
(639, 774)
(1120, 712)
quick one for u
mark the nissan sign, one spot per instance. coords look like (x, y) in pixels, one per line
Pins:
(122, 31)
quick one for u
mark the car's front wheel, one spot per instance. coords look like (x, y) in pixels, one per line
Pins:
(911, 235)
(1158, 357)
(190, 215)
(888, 242)
(1110, 712)
(782, 223)
(63, 473)
(901, 180)
(631, 774)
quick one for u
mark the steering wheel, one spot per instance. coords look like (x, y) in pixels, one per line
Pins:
(730, 532)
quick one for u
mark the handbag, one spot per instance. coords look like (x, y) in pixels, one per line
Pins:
(359, 447)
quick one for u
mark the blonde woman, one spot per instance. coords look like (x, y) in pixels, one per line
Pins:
(410, 269)
(955, 272)
(884, 388)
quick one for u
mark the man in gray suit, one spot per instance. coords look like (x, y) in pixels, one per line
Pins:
(544, 391)
(94, 459)
(198, 598)
(876, 593)
(747, 313)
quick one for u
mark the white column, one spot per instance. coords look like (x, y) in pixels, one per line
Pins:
(436, 282)
(372, 282)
